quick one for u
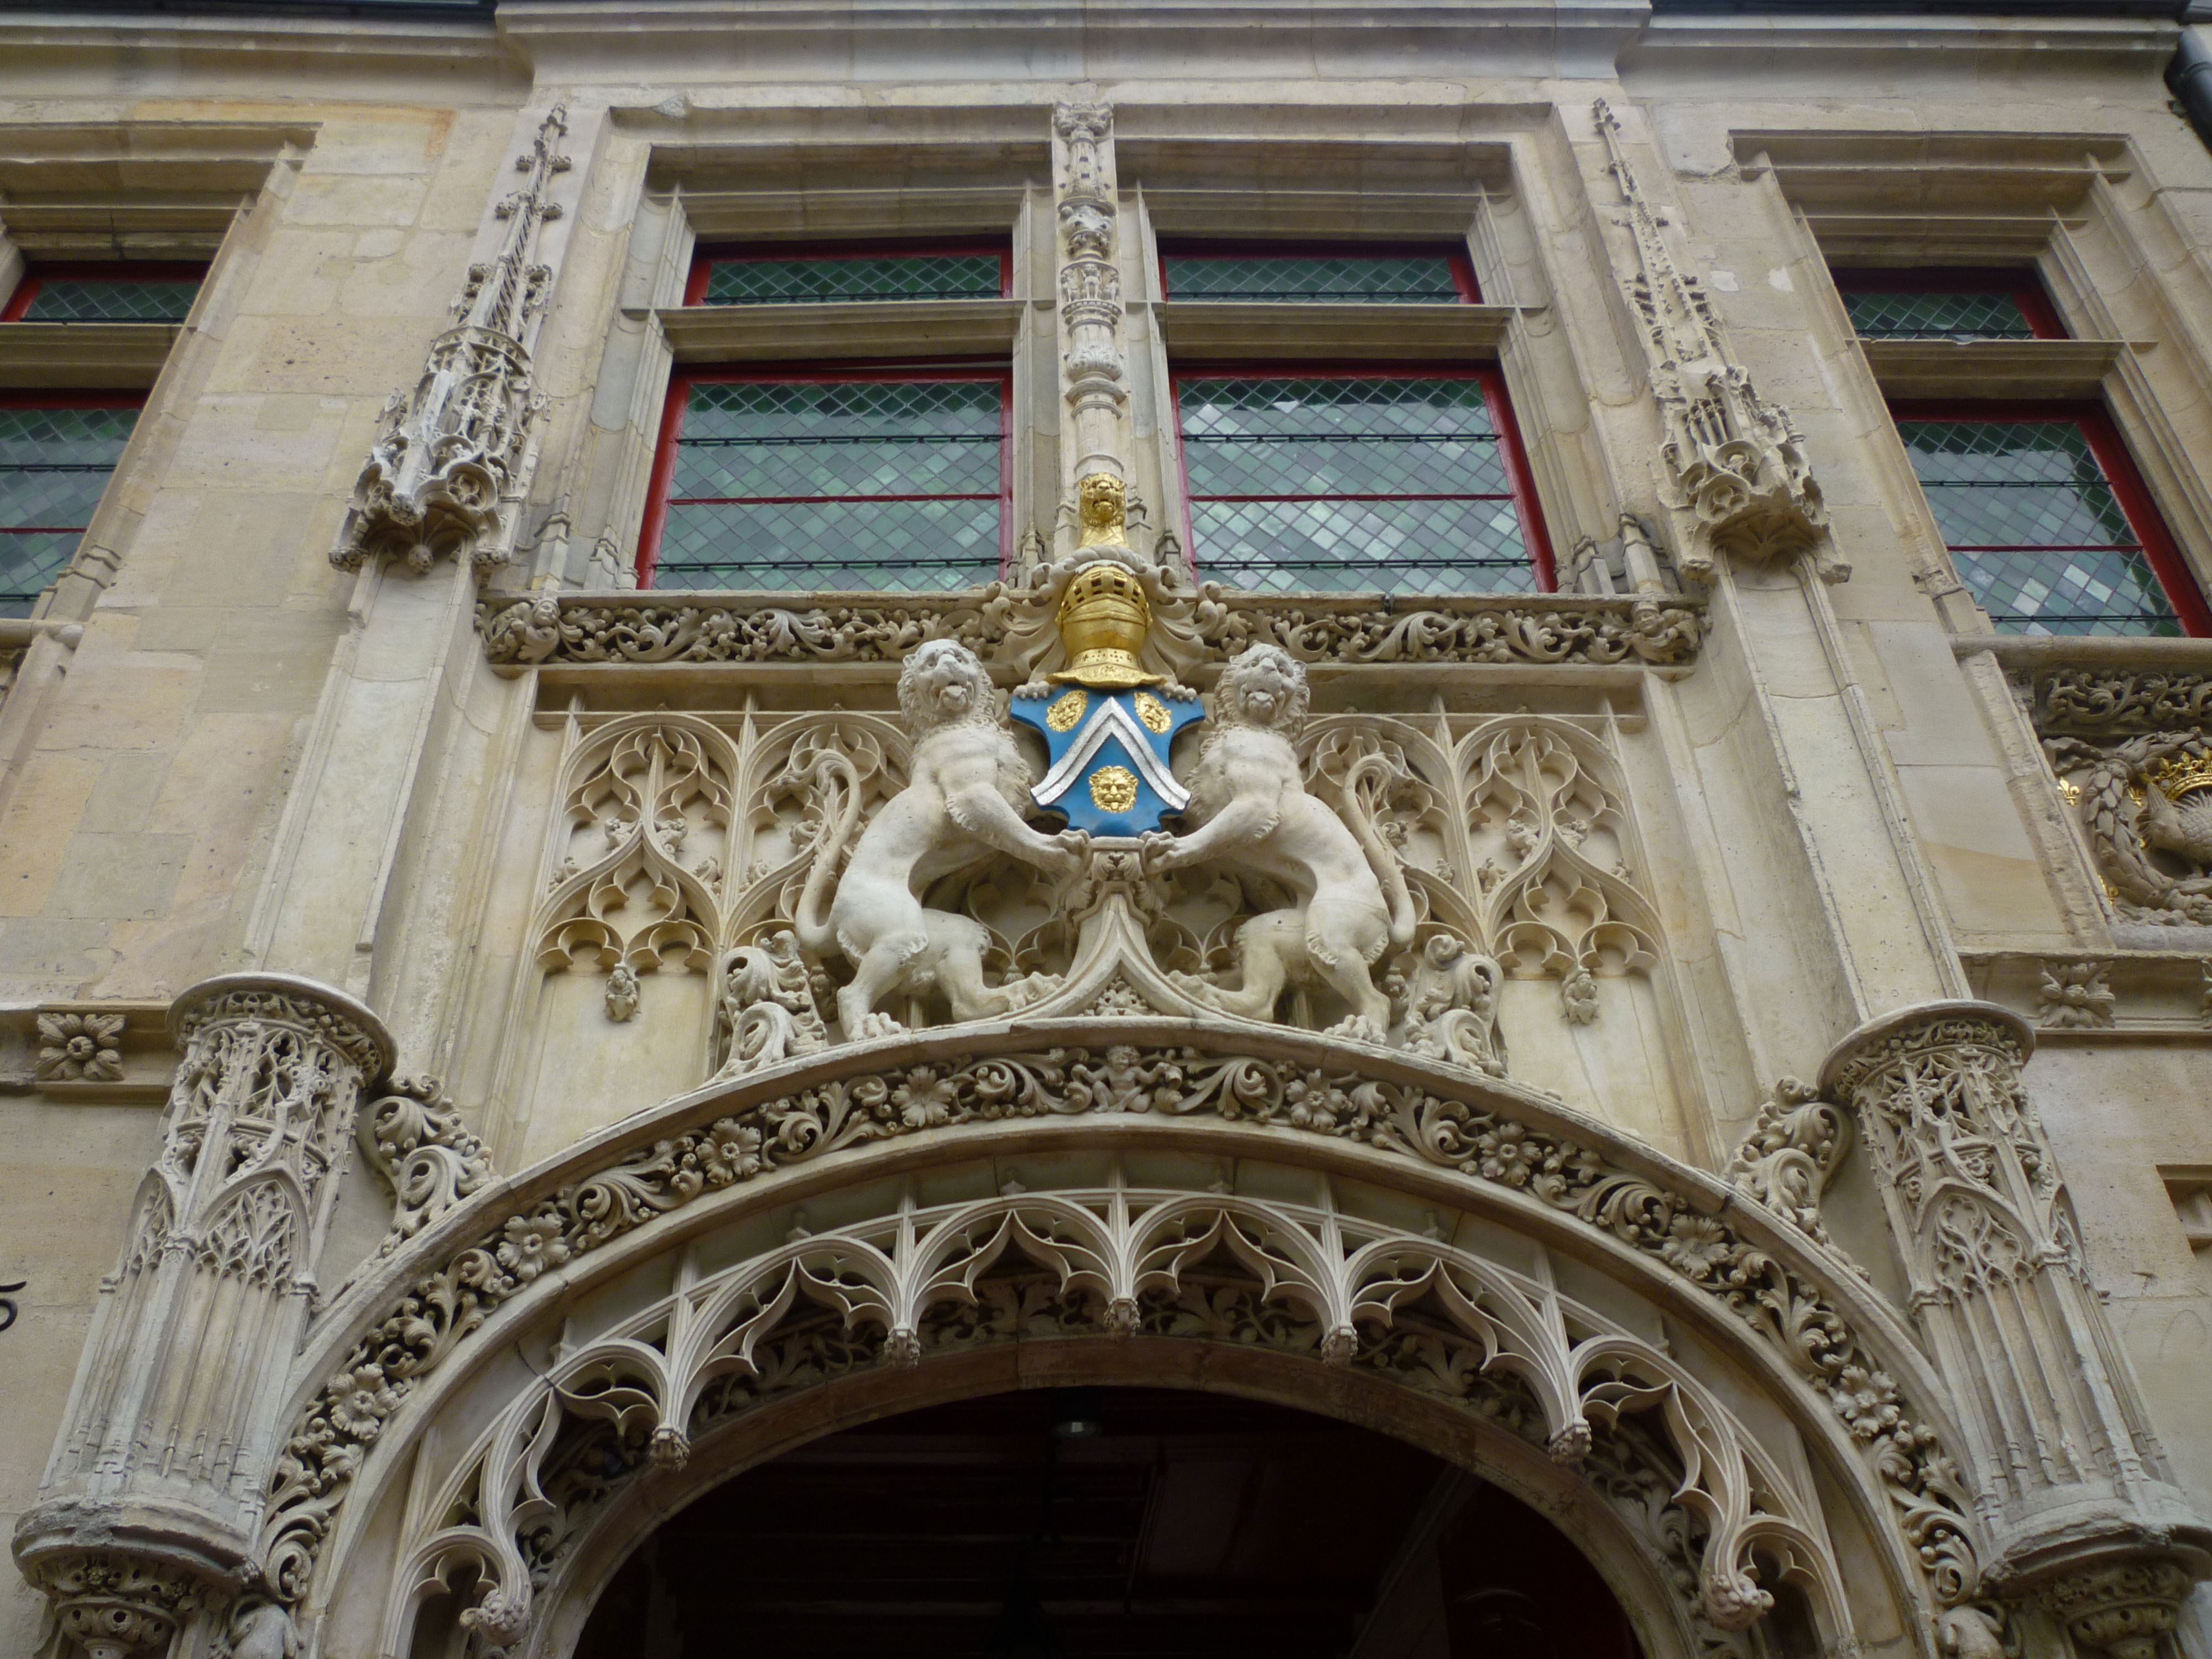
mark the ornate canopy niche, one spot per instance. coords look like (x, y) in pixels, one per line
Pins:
(507, 1401)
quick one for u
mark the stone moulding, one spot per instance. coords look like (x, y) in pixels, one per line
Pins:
(1530, 631)
(1492, 1144)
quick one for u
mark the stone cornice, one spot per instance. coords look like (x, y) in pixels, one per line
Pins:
(1540, 630)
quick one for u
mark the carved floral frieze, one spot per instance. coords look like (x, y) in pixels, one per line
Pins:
(1535, 630)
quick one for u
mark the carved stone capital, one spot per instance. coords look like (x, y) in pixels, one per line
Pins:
(1873, 1055)
(120, 1598)
(2125, 1609)
(323, 1014)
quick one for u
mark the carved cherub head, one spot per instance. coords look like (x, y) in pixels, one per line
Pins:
(1263, 686)
(943, 683)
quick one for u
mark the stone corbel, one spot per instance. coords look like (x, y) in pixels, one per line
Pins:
(1731, 461)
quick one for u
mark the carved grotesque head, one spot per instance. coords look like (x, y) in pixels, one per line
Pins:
(943, 683)
(1100, 505)
(1264, 686)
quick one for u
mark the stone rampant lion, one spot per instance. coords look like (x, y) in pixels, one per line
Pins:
(963, 806)
(1250, 804)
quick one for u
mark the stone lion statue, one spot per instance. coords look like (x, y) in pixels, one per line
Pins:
(1250, 804)
(963, 805)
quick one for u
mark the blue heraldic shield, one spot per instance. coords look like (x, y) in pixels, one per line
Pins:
(1108, 771)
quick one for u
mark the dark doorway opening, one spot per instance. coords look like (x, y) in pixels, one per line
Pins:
(1111, 1523)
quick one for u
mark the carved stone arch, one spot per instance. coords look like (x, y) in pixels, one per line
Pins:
(1633, 1565)
(1764, 1321)
(1114, 1279)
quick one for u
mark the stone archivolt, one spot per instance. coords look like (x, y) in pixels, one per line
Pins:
(1121, 1263)
(508, 1242)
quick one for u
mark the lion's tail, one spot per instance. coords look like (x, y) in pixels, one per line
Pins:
(1381, 857)
(812, 921)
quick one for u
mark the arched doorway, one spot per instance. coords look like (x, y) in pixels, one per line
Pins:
(1108, 1523)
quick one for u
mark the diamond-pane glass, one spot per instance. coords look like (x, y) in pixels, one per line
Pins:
(825, 281)
(2035, 527)
(1415, 279)
(846, 484)
(1992, 315)
(54, 463)
(1328, 485)
(86, 299)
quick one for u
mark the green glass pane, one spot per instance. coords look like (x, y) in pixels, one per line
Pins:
(1410, 439)
(84, 300)
(2035, 486)
(1375, 279)
(54, 463)
(1344, 546)
(64, 437)
(843, 438)
(1985, 316)
(906, 546)
(825, 281)
(29, 562)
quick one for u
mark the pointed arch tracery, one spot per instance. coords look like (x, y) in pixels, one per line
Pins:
(1726, 1513)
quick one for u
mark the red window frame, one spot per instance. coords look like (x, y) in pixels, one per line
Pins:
(679, 402)
(2020, 282)
(1463, 268)
(2133, 493)
(704, 258)
(91, 270)
(1520, 481)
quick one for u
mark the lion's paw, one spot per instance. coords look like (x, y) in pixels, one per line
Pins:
(1029, 988)
(874, 1025)
(1358, 1028)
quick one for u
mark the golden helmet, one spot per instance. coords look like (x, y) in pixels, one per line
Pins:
(1103, 622)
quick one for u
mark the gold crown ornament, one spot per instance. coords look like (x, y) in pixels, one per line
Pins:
(1103, 622)
(2180, 775)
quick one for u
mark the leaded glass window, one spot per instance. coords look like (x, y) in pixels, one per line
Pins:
(1948, 303)
(1342, 484)
(2037, 528)
(845, 483)
(1422, 278)
(54, 463)
(825, 279)
(84, 300)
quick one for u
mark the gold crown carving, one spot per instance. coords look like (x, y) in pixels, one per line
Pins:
(1103, 622)
(2183, 775)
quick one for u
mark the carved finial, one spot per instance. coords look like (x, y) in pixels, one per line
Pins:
(1732, 460)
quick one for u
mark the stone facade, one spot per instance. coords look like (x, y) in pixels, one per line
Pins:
(1720, 1047)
